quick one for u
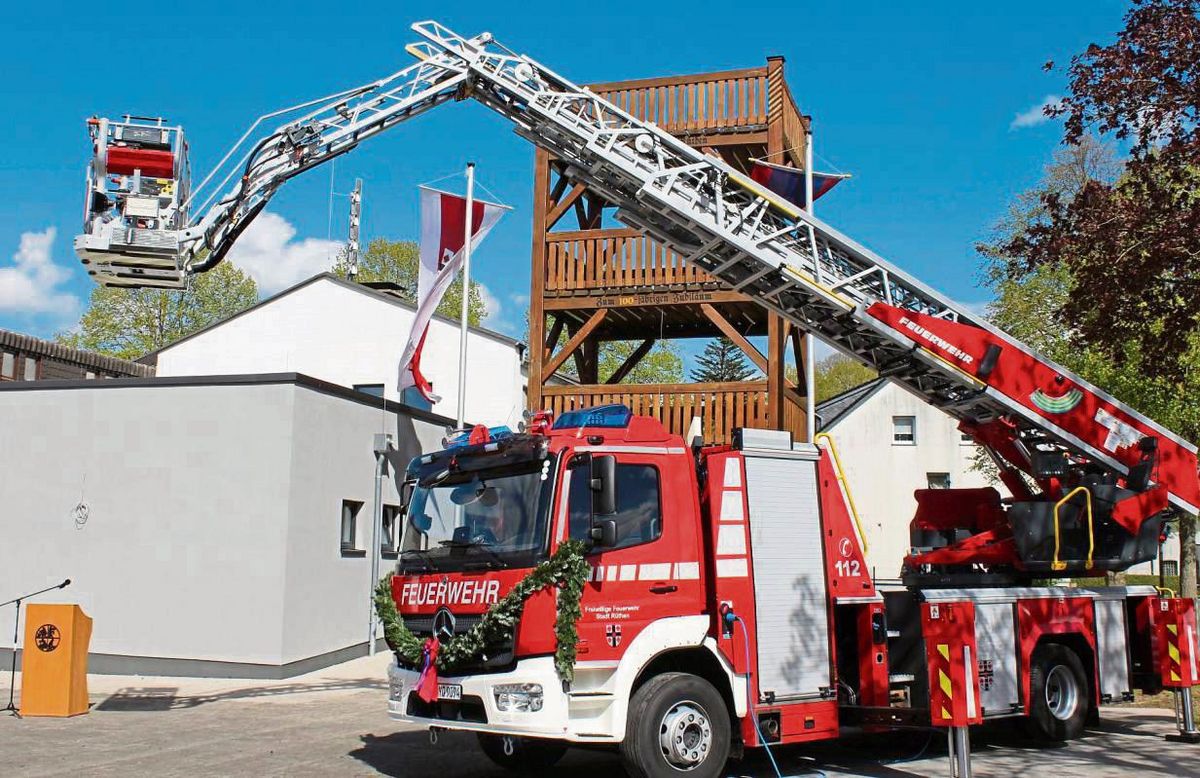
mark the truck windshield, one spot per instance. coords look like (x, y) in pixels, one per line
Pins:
(476, 519)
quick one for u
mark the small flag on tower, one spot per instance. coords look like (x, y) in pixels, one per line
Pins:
(788, 182)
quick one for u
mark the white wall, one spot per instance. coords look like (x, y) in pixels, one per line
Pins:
(347, 336)
(884, 475)
(213, 526)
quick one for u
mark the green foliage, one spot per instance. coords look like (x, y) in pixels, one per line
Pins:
(662, 365)
(566, 569)
(128, 323)
(722, 361)
(837, 373)
(398, 262)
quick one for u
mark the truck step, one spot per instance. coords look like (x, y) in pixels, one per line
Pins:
(901, 678)
(893, 634)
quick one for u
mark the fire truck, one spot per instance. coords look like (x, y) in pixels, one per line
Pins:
(728, 604)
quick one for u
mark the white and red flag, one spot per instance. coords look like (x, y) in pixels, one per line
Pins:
(443, 231)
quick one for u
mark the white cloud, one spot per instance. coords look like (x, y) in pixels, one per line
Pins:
(519, 300)
(30, 286)
(490, 302)
(269, 252)
(1036, 114)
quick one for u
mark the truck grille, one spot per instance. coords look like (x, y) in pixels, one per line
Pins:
(498, 656)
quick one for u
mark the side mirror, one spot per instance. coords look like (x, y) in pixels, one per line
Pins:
(604, 533)
(604, 486)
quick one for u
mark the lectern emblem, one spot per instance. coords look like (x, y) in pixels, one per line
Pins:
(47, 637)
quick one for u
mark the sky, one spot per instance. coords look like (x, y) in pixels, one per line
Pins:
(933, 107)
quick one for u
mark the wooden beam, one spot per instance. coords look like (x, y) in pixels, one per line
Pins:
(573, 344)
(631, 361)
(775, 376)
(738, 340)
(798, 354)
(537, 279)
(562, 205)
(615, 298)
(555, 334)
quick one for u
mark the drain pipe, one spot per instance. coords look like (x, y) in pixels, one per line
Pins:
(383, 444)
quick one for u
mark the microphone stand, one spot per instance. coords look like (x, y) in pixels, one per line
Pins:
(12, 671)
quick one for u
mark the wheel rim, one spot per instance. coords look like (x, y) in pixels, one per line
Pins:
(685, 735)
(1062, 692)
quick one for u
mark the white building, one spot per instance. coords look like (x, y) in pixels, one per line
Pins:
(892, 443)
(213, 525)
(353, 335)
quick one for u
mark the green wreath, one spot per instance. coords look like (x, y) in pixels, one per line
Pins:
(566, 568)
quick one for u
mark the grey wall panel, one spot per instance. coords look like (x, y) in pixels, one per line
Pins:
(789, 576)
(995, 640)
(1113, 647)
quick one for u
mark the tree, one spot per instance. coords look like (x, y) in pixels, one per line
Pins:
(836, 373)
(662, 365)
(722, 361)
(398, 262)
(1033, 299)
(1129, 246)
(129, 323)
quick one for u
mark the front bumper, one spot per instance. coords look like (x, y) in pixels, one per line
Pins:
(552, 721)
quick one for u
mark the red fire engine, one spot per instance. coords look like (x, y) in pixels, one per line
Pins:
(727, 604)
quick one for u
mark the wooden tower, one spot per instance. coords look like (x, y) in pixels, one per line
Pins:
(594, 280)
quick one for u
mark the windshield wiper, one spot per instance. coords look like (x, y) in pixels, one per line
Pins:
(495, 558)
(424, 559)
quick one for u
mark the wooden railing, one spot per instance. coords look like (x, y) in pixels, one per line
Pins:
(720, 407)
(611, 259)
(729, 100)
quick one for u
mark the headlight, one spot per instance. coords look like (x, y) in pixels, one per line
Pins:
(523, 697)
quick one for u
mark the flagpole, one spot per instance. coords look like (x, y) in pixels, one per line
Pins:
(466, 297)
(810, 364)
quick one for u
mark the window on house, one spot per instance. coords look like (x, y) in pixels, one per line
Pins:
(639, 511)
(413, 399)
(8, 366)
(30, 369)
(1170, 567)
(350, 511)
(938, 480)
(387, 539)
(375, 390)
(966, 439)
(904, 430)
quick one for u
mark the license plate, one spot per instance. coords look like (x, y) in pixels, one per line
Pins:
(449, 691)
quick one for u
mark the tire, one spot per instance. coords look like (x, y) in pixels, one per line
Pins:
(529, 756)
(1060, 698)
(678, 725)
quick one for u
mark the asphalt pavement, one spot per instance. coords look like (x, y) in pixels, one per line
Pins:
(334, 723)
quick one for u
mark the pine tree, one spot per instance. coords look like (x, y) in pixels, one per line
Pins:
(721, 362)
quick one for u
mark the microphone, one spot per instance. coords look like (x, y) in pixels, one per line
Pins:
(64, 584)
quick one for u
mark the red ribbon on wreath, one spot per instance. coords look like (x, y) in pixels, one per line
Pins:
(427, 682)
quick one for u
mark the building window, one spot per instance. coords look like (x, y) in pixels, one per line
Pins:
(350, 511)
(639, 512)
(904, 430)
(8, 366)
(375, 390)
(1170, 567)
(30, 369)
(391, 521)
(938, 480)
(414, 399)
(966, 439)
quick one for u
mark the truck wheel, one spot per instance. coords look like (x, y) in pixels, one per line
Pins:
(677, 723)
(1058, 692)
(527, 756)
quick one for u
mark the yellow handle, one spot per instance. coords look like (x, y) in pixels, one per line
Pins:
(837, 466)
(1056, 564)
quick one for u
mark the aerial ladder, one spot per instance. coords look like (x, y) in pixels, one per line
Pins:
(1093, 481)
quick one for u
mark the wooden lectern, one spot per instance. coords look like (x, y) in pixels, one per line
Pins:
(54, 661)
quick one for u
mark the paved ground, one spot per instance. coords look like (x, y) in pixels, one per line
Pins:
(333, 723)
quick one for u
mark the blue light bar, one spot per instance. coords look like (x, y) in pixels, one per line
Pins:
(603, 416)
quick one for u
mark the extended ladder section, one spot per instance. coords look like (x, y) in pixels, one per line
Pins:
(736, 230)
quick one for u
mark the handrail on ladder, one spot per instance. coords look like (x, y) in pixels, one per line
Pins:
(841, 475)
(1057, 564)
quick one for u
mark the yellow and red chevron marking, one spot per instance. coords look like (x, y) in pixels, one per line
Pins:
(949, 630)
(1175, 621)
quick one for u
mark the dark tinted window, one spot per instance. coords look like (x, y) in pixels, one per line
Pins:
(639, 513)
